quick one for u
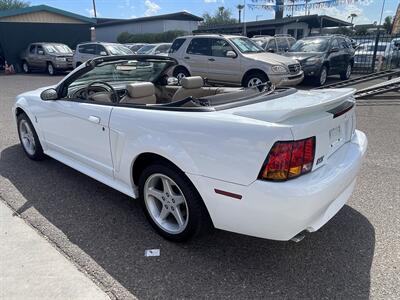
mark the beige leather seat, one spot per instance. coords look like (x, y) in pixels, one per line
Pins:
(140, 93)
(193, 87)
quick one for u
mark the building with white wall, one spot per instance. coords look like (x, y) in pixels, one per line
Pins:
(108, 31)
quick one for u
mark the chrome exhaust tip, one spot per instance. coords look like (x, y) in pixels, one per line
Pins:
(298, 238)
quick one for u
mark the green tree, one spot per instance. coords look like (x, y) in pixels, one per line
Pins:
(13, 4)
(388, 24)
(220, 16)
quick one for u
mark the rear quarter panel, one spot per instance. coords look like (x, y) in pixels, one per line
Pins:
(212, 144)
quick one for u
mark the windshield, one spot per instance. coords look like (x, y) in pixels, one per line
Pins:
(146, 49)
(123, 71)
(135, 47)
(245, 45)
(259, 42)
(118, 50)
(57, 48)
(310, 45)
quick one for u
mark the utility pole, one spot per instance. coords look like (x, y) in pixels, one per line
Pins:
(244, 18)
(94, 8)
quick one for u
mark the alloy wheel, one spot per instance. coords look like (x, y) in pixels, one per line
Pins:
(27, 137)
(166, 203)
(348, 71)
(25, 67)
(323, 76)
(254, 81)
(50, 69)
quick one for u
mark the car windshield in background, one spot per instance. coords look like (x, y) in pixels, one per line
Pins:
(146, 49)
(59, 49)
(164, 48)
(136, 47)
(310, 45)
(118, 50)
(124, 70)
(245, 45)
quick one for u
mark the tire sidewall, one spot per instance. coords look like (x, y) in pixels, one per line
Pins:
(26, 70)
(196, 208)
(38, 155)
(50, 66)
(318, 79)
(249, 77)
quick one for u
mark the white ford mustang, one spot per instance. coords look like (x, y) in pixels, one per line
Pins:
(266, 163)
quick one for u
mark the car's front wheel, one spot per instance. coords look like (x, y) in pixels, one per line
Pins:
(29, 138)
(50, 69)
(25, 67)
(320, 80)
(347, 72)
(255, 79)
(171, 203)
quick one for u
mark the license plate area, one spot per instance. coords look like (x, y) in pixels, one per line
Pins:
(335, 135)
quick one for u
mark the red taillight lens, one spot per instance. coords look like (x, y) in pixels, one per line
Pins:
(289, 159)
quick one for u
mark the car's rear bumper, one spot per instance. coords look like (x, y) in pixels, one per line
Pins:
(281, 210)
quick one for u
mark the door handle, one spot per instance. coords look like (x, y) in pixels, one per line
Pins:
(94, 119)
(211, 59)
(186, 57)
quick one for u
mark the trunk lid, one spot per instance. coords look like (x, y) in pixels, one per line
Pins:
(328, 115)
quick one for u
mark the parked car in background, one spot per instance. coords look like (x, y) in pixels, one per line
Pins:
(135, 46)
(155, 49)
(269, 164)
(86, 51)
(387, 55)
(49, 57)
(232, 60)
(321, 56)
(274, 44)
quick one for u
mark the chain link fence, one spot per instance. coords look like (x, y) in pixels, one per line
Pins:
(375, 52)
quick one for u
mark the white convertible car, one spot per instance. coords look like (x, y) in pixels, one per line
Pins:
(261, 162)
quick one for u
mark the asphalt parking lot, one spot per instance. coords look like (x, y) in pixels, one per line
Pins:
(355, 256)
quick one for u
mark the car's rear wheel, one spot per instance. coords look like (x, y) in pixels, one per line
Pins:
(320, 80)
(25, 67)
(347, 72)
(171, 203)
(180, 73)
(28, 138)
(255, 79)
(50, 69)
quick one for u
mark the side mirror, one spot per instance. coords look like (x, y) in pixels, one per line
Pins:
(172, 81)
(271, 50)
(49, 94)
(334, 49)
(40, 52)
(231, 54)
(103, 53)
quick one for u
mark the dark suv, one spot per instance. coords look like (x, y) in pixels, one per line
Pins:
(321, 56)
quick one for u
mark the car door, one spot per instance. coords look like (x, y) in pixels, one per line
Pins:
(197, 56)
(78, 131)
(345, 54)
(221, 67)
(40, 59)
(31, 55)
(335, 57)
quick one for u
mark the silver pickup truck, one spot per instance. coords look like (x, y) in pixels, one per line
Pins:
(50, 57)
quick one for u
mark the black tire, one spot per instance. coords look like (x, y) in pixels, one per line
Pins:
(345, 75)
(254, 77)
(38, 152)
(318, 80)
(25, 67)
(50, 69)
(180, 72)
(198, 221)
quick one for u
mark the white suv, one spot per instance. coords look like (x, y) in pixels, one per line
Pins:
(91, 50)
(232, 60)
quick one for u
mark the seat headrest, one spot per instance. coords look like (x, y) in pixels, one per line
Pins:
(140, 89)
(193, 82)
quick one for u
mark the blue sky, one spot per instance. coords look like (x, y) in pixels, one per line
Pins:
(368, 11)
